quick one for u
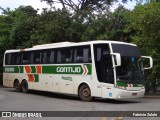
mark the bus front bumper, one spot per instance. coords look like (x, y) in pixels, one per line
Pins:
(122, 94)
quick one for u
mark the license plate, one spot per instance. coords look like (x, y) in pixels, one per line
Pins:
(134, 94)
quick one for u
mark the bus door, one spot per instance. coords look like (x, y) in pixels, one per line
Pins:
(107, 76)
(104, 70)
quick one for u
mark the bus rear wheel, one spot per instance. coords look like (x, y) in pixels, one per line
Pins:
(17, 86)
(85, 93)
(24, 86)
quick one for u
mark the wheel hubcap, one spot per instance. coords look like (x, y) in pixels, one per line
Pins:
(86, 92)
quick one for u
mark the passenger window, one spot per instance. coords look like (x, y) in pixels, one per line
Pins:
(37, 57)
(44, 57)
(59, 57)
(8, 58)
(65, 55)
(17, 57)
(78, 55)
(51, 56)
(82, 55)
(25, 58)
(48, 56)
(86, 55)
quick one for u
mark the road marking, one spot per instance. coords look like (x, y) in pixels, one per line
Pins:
(118, 118)
(104, 116)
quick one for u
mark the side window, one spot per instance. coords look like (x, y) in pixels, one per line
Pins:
(82, 54)
(44, 57)
(37, 59)
(86, 55)
(8, 58)
(25, 58)
(13, 58)
(51, 56)
(101, 51)
(48, 56)
(16, 58)
(65, 55)
(59, 56)
(78, 55)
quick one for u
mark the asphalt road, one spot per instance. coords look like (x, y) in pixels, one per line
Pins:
(45, 101)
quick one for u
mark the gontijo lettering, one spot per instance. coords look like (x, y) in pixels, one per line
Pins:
(69, 69)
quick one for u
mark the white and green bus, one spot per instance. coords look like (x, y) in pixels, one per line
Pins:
(105, 69)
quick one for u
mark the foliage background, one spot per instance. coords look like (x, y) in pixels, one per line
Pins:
(23, 27)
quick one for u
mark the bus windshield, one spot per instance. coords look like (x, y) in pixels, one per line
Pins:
(131, 67)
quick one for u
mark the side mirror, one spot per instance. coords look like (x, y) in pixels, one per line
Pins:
(150, 61)
(117, 58)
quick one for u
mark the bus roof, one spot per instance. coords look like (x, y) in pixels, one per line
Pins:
(66, 44)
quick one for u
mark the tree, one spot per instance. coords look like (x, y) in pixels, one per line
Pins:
(52, 26)
(77, 5)
(24, 23)
(6, 24)
(16, 29)
(145, 21)
(80, 4)
(111, 25)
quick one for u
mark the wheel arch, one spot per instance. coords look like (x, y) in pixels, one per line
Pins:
(24, 80)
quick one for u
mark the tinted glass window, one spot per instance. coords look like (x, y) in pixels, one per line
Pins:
(37, 57)
(78, 54)
(26, 56)
(126, 50)
(82, 54)
(65, 55)
(16, 58)
(13, 58)
(8, 58)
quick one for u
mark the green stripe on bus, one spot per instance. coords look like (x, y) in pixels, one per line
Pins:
(11, 69)
(36, 77)
(33, 69)
(21, 69)
(63, 69)
(85, 69)
(121, 83)
(89, 66)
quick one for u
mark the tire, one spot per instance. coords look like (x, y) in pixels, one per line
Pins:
(85, 93)
(24, 86)
(17, 86)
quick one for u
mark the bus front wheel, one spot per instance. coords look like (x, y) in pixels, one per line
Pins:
(17, 86)
(24, 86)
(85, 93)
